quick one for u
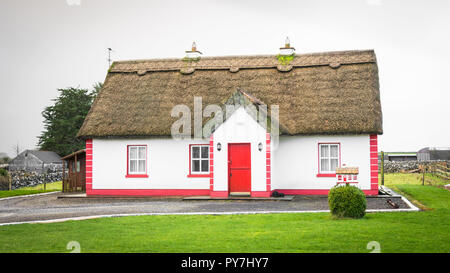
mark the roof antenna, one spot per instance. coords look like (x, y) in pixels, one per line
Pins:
(109, 56)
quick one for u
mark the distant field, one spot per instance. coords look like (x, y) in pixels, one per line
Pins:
(413, 179)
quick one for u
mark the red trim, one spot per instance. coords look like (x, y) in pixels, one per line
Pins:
(373, 154)
(218, 193)
(326, 175)
(268, 167)
(198, 175)
(149, 192)
(260, 194)
(318, 192)
(141, 175)
(319, 174)
(136, 176)
(89, 170)
(211, 164)
(190, 161)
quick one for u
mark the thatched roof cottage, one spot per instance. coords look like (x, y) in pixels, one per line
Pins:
(164, 126)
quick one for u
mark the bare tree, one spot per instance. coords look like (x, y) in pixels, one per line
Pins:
(16, 149)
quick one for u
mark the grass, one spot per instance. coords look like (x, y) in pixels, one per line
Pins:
(54, 186)
(393, 179)
(425, 231)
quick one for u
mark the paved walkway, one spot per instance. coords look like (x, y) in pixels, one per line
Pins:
(49, 207)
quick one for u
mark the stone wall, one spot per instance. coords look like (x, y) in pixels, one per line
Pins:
(399, 166)
(27, 179)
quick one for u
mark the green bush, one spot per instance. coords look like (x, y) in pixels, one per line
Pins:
(4, 180)
(347, 202)
(3, 172)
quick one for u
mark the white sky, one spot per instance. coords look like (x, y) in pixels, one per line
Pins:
(49, 44)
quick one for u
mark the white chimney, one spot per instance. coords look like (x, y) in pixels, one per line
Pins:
(287, 50)
(193, 53)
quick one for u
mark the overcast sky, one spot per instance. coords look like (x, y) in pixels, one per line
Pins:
(50, 44)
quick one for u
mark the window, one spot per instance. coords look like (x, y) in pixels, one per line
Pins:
(328, 158)
(137, 161)
(199, 160)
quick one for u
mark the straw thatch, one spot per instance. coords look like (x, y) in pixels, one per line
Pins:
(322, 93)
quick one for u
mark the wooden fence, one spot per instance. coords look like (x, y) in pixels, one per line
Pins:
(440, 170)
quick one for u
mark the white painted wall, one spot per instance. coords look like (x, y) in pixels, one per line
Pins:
(240, 128)
(167, 165)
(295, 162)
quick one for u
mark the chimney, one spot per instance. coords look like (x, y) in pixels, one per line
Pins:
(287, 50)
(193, 53)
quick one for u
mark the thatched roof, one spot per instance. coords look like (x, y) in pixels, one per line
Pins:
(321, 93)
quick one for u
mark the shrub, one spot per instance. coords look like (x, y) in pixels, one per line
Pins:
(4, 180)
(347, 202)
(3, 172)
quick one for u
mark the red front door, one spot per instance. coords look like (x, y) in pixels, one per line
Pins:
(239, 168)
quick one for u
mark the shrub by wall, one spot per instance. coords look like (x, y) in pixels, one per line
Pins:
(4, 180)
(347, 202)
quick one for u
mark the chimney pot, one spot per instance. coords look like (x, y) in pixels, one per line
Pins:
(193, 53)
(287, 50)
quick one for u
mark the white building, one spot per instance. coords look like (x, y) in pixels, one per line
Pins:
(329, 116)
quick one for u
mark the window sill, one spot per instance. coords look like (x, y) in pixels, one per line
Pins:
(326, 175)
(198, 175)
(136, 176)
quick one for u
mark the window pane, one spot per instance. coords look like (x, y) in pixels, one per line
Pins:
(195, 152)
(324, 150)
(334, 164)
(334, 150)
(133, 166)
(205, 150)
(205, 165)
(195, 165)
(78, 166)
(133, 152)
(142, 152)
(324, 165)
(142, 166)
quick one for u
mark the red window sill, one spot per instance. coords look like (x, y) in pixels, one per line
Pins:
(326, 175)
(136, 176)
(198, 175)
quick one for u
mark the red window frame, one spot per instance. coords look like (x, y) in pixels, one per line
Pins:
(143, 175)
(190, 162)
(319, 174)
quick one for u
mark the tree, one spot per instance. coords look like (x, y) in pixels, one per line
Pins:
(16, 149)
(63, 120)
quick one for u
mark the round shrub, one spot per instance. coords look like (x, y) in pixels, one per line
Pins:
(347, 202)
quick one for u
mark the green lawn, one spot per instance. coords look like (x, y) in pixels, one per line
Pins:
(425, 231)
(55, 186)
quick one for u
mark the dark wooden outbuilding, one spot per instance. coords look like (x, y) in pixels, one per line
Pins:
(75, 180)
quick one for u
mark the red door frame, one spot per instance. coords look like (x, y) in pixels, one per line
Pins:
(228, 163)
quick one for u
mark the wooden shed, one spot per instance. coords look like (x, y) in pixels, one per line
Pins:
(75, 178)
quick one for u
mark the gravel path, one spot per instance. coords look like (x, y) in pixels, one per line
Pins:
(47, 207)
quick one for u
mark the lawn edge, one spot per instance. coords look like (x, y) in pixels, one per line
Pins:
(29, 195)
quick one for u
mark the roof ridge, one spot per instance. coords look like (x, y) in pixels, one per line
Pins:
(224, 57)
